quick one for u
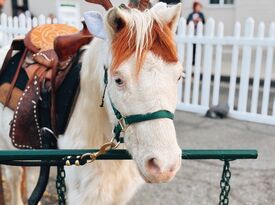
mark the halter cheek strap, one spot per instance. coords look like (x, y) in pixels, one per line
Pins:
(125, 121)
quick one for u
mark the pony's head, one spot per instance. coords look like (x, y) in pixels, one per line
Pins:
(143, 75)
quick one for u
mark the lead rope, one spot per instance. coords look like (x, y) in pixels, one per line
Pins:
(225, 184)
(109, 145)
(88, 158)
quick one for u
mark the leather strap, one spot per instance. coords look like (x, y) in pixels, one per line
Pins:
(125, 122)
(16, 94)
(17, 44)
(15, 77)
(53, 95)
(149, 116)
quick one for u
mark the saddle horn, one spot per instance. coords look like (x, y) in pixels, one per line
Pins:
(105, 3)
(143, 4)
(66, 46)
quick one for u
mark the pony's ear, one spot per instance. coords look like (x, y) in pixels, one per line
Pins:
(95, 25)
(115, 21)
(169, 15)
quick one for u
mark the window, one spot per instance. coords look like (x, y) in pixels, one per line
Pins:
(228, 1)
(221, 2)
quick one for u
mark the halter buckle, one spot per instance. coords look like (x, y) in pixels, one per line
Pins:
(124, 126)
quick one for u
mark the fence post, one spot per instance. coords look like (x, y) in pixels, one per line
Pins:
(48, 20)
(22, 24)
(218, 65)
(268, 71)
(180, 47)
(207, 63)
(34, 22)
(4, 25)
(246, 63)
(257, 73)
(10, 29)
(197, 71)
(188, 68)
(29, 24)
(234, 67)
(55, 21)
(15, 31)
(41, 20)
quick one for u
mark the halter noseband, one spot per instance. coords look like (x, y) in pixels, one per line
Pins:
(125, 121)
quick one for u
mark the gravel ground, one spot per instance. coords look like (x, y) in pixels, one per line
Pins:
(197, 183)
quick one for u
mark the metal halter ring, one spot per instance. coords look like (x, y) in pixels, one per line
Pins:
(117, 144)
(123, 124)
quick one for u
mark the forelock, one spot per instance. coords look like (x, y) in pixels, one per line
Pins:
(143, 32)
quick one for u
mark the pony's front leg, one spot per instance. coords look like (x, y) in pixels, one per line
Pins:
(13, 177)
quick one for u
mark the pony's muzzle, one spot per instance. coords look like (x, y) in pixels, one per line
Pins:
(157, 171)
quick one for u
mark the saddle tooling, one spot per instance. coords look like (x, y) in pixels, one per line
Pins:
(47, 59)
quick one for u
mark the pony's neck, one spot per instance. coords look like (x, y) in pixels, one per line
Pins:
(89, 121)
(90, 127)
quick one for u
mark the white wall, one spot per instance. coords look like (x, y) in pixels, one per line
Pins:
(260, 10)
(7, 8)
(47, 7)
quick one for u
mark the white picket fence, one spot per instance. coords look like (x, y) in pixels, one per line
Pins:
(12, 27)
(252, 103)
(196, 95)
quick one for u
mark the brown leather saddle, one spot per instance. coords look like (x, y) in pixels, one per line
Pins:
(47, 54)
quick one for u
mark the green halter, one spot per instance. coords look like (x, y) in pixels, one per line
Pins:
(125, 121)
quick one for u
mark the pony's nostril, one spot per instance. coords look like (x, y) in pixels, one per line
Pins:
(173, 168)
(153, 166)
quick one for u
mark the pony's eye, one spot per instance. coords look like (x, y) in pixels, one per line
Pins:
(119, 81)
(180, 77)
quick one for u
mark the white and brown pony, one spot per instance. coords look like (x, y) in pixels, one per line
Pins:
(143, 70)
